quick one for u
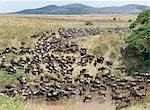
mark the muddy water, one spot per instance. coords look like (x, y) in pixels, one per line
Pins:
(77, 104)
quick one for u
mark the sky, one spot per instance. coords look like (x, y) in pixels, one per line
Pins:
(7, 6)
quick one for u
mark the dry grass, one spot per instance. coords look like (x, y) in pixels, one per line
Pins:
(107, 45)
(17, 28)
(145, 106)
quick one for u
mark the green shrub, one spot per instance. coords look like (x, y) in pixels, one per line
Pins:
(137, 53)
(142, 19)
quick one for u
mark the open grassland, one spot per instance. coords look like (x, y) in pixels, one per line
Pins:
(145, 106)
(17, 28)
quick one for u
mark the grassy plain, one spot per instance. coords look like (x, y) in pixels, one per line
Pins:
(17, 28)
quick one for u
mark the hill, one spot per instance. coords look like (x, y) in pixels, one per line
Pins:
(84, 9)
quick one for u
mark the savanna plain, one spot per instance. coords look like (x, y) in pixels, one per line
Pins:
(15, 29)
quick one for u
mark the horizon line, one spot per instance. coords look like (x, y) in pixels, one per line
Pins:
(75, 3)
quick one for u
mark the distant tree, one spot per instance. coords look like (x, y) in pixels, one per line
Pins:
(137, 52)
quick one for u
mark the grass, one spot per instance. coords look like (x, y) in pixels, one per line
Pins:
(17, 28)
(117, 73)
(97, 51)
(106, 45)
(145, 106)
(15, 103)
(113, 54)
(11, 103)
(10, 78)
(88, 23)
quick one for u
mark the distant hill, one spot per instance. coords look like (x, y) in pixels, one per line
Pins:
(84, 9)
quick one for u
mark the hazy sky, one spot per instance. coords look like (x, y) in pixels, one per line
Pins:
(17, 5)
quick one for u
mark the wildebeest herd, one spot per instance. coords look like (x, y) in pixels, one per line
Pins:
(63, 72)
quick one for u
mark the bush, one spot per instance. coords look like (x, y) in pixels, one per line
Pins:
(88, 23)
(142, 19)
(140, 39)
(137, 53)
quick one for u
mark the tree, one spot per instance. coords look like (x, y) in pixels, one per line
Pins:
(137, 53)
(142, 19)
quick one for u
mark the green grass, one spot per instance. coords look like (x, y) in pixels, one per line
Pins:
(113, 54)
(145, 106)
(17, 28)
(97, 51)
(10, 78)
(117, 73)
(11, 103)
